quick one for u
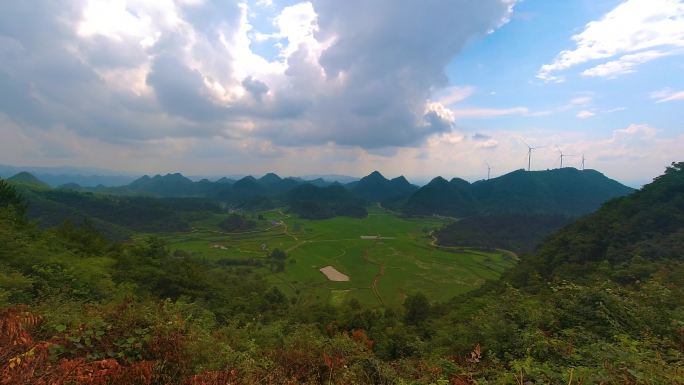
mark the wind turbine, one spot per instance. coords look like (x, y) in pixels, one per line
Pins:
(529, 155)
(583, 159)
(562, 156)
(489, 170)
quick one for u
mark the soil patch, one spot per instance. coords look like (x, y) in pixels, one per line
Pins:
(333, 275)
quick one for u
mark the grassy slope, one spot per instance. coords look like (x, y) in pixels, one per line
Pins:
(382, 272)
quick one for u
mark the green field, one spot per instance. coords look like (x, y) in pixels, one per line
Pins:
(381, 271)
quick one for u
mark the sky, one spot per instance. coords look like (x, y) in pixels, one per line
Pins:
(407, 87)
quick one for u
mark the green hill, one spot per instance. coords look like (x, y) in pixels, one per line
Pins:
(442, 197)
(646, 225)
(27, 179)
(565, 191)
(117, 216)
(376, 188)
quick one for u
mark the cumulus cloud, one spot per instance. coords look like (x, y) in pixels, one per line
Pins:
(639, 30)
(142, 70)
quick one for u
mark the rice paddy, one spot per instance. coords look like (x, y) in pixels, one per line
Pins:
(383, 257)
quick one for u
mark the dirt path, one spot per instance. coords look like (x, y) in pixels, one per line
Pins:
(374, 285)
(280, 211)
(296, 246)
(286, 232)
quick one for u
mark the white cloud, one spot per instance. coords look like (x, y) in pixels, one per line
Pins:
(667, 95)
(640, 131)
(487, 144)
(585, 114)
(645, 28)
(624, 65)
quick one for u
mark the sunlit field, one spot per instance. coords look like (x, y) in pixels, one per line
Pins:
(395, 257)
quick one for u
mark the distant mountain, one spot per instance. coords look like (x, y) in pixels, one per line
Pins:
(84, 176)
(28, 179)
(442, 197)
(70, 186)
(85, 180)
(376, 188)
(273, 184)
(225, 180)
(320, 182)
(247, 187)
(566, 191)
(330, 178)
(169, 185)
(270, 178)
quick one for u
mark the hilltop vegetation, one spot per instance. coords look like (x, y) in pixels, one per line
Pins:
(565, 191)
(26, 179)
(601, 301)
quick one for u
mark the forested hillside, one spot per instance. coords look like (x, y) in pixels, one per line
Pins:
(116, 216)
(565, 191)
(312, 202)
(520, 233)
(601, 301)
(376, 188)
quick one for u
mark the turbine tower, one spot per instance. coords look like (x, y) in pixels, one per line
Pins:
(563, 156)
(583, 159)
(529, 155)
(489, 170)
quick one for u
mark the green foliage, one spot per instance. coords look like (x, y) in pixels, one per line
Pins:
(520, 233)
(9, 197)
(648, 224)
(236, 222)
(116, 216)
(312, 202)
(600, 302)
(417, 309)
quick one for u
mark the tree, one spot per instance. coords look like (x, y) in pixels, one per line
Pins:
(417, 309)
(10, 197)
(277, 258)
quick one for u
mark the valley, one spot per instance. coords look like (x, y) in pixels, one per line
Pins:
(385, 256)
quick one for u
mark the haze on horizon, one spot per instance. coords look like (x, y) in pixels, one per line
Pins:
(415, 88)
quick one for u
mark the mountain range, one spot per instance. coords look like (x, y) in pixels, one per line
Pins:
(567, 192)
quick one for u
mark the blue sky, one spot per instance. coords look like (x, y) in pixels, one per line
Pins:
(420, 88)
(506, 62)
